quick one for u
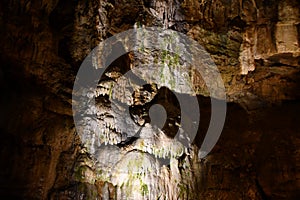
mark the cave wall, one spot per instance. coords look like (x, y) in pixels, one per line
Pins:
(255, 44)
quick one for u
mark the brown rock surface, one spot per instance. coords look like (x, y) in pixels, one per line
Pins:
(255, 45)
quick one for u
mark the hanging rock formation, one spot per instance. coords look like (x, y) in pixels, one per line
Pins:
(255, 45)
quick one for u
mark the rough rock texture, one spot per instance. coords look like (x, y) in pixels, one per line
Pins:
(255, 44)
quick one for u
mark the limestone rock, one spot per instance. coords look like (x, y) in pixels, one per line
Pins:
(255, 45)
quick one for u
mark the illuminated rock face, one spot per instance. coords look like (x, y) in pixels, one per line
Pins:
(255, 44)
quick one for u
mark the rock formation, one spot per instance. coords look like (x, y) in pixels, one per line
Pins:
(256, 47)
